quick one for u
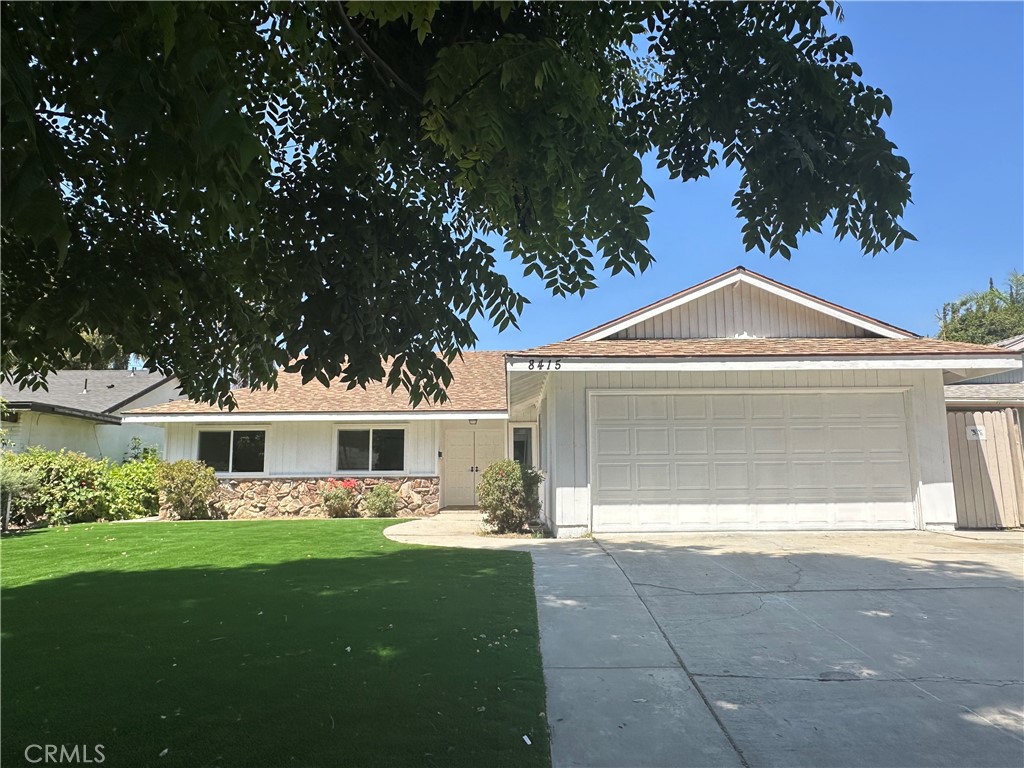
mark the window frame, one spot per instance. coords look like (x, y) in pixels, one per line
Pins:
(231, 448)
(369, 472)
(534, 440)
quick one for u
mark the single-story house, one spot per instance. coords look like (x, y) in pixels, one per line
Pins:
(81, 410)
(737, 404)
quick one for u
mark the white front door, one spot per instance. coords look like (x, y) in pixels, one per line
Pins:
(467, 453)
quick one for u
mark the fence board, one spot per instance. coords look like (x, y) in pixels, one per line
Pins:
(988, 475)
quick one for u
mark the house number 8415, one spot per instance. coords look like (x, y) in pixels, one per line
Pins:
(544, 365)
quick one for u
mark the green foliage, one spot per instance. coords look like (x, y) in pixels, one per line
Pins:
(134, 488)
(72, 487)
(339, 498)
(194, 149)
(984, 317)
(381, 501)
(187, 487)
(508, 495)
(16, 482)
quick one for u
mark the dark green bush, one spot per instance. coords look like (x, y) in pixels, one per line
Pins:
(72, 487)
(508, 496)
(187, 487)
(134, 486)
(381, 501)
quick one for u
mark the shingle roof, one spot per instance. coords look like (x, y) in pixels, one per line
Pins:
(95, 391)
(774, 347)
(985, 393)
(478, 384)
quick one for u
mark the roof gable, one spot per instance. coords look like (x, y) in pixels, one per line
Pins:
(741, 303)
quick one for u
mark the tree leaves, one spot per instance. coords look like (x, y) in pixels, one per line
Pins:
(227, 188)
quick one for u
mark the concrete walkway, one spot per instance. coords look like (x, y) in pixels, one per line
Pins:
(618, 694)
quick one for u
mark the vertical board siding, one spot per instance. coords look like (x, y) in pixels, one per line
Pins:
(564, 421)
(740, 309)
(988, 475)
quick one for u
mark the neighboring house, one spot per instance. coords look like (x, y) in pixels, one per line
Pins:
(738, 404)
(81, 410)
(999, 390)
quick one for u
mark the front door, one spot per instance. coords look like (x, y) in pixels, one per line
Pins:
(467, 453)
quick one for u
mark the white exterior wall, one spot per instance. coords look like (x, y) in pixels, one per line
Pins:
(1013, 376)
(54, 431)
(564, 429)
(306, 449)
(740, 309)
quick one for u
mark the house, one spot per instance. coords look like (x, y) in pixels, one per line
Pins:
(737, 404)
(81, 410)
(998, 390)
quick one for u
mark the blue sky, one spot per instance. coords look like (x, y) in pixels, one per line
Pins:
(955, 73)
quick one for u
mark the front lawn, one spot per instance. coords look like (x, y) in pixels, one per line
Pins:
(292, 643)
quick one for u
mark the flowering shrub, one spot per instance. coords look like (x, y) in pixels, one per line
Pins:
(508, 495)
(339, 497)
(382, 501)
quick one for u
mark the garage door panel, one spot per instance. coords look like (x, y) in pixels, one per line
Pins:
(693, 476)
(650, 407)
(727, 407)
(614, 477)
(736, 461)
(689, 407)
(652, 440)
(614, 442)
(653, 477)
(691, 440)
(729, 439)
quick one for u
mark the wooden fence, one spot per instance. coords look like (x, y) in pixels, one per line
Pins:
(988, 467)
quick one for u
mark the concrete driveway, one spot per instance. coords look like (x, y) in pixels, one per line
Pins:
(813, 649)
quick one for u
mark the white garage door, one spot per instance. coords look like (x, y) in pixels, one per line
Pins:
(720, 461)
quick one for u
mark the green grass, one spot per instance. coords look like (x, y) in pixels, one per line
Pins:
(296, 643)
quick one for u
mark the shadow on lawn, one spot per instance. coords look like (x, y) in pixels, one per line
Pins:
(402, 657)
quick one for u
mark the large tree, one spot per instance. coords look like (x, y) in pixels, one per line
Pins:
(984, 317)
(225, 188)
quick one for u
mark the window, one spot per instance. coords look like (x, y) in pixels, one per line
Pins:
(371, 450)
(233, 450)
(522, 445)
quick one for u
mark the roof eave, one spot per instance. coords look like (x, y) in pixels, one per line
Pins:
(251, 417)
(60, 410)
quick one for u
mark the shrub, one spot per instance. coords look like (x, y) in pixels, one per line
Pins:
(72, 487)
(382, 501)
(16, 482)
(508, 495)
(187, 487)
(339, 498)
(135, 488)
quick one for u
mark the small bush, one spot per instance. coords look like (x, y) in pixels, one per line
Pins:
(187, 487)
(508, 496)
(382, 501)
(72, 487)
(16, 482)
(339, 498)
(135, 488)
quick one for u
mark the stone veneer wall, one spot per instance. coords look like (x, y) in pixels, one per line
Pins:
(259, 497)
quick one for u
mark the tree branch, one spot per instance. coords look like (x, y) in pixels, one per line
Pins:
(375, 57)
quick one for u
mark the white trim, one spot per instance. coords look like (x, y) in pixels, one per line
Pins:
(369, 472)
(859, 362)
(250, 417)
(231, 447)
(745, 277)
